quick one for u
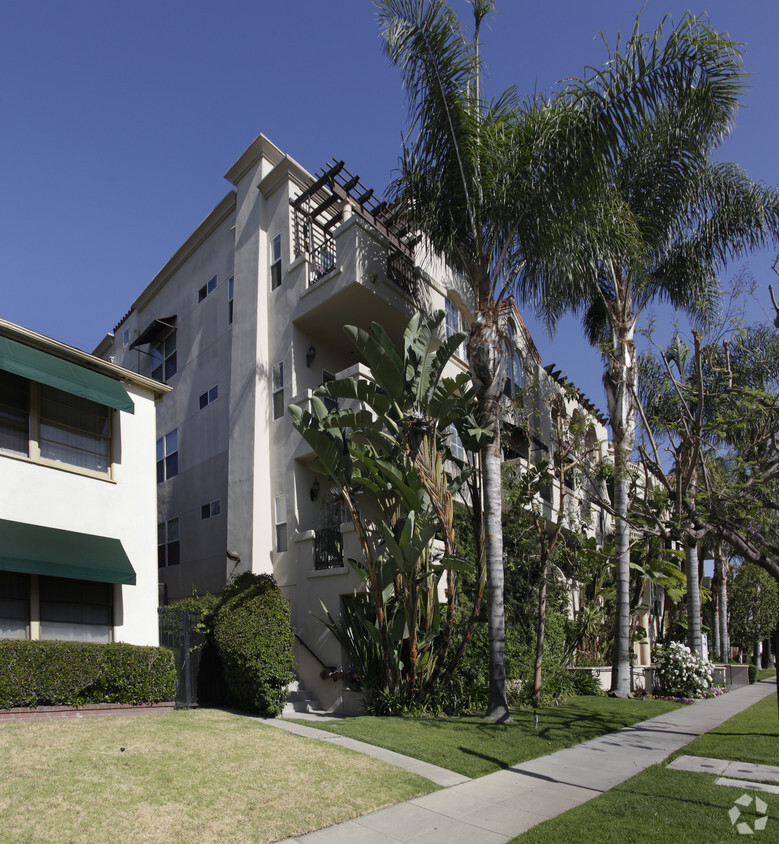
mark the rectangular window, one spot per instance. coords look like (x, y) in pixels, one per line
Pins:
(163, 358)
(168, 456)
(168, 544)
(14, 414)
(230, 295)
(207, 289)
(14, 605)
(280, 519)
(213, 508)
(75, 610)
(278, 390)
(330, 404)
(456, 444)
(126, 337)
(74, 430)
(209, 397)
(275, 262)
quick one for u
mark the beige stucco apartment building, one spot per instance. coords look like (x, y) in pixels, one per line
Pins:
(246, 318)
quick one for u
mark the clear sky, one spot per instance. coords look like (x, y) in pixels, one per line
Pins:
(119, 119)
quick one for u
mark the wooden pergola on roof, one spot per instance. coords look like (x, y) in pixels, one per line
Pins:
(322, 203)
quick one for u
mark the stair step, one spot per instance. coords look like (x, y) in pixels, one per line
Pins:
(300, 701)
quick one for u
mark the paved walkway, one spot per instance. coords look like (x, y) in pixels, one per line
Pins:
(499, 806)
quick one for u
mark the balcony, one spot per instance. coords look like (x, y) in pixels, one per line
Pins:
(328, 548)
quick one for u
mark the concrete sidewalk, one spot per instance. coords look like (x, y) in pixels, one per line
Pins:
(499, 806)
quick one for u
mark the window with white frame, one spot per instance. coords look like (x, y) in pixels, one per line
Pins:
(456, 444)
(168, 544)
(230, 295)
(168, 456)
(209, 397)
(275, 262)
(163, 358)
(455, 324)
(207, 289)
(277, 386)
(280, 521)
(213, 508)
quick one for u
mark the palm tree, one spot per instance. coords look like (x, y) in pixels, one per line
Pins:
(686, 215)
(502, 189)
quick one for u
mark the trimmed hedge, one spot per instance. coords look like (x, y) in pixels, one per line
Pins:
(254, 636)
(55, 673)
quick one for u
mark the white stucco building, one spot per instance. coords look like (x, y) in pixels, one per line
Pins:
(77, 494)
(246, 318)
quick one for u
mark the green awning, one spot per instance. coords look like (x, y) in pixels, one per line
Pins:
(70, 377)
(32, 549)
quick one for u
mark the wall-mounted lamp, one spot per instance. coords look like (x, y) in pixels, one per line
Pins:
(314, 490)
(310, 355)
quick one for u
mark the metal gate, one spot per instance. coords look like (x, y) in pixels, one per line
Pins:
(179, 631)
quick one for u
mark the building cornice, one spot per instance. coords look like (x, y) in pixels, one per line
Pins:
(260, 147)
(81, 358)
(287, 170)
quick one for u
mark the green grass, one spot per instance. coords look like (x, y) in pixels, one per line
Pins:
(473, 746)
(663, 805)
(202, 775)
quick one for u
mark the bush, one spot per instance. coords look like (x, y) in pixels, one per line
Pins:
(681, 673)
(752, 673)
(254, 637)
(585, 683)
(54, 673)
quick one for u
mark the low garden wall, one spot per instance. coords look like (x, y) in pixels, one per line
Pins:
(88, 710)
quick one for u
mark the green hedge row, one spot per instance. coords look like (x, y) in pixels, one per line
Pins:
(54, 673)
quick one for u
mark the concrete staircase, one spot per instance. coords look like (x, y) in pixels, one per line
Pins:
(300, 702)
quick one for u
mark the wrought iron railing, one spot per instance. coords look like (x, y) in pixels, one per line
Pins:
(322, 261)
(400, 271)
(328, 548)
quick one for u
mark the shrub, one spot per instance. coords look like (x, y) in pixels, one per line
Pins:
(210, 676)
(681, 673)
(54, 673)
(752, 673)
(585, 683)
(254, 637)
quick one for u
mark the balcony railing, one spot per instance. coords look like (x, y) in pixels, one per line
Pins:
(328, 548)
(322, 261)
(401, 272)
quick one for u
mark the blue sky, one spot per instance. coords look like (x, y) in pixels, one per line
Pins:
(120, 119)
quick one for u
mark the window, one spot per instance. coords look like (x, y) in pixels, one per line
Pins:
(207, 289)
(514, 374)
(230, 292)
(14, 605)
(330, 404)
(74, 430)
(126, 337)
(275, 262)
(75, 610)
(14, 414)
(163, 358)
(456, 444)
(209, 397)
(168, 544)
(278, 390)
(213, 508)
(168, 456)
(280, 520)
(45, 423)
(455, 324)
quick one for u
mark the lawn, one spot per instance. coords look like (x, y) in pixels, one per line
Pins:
(473, 746)
(201, 775)
(663, 805)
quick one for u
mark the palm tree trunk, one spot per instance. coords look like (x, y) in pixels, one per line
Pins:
(486, 359)
(693, 599)
(620, 382)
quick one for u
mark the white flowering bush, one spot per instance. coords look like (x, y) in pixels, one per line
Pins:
(681, 673)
